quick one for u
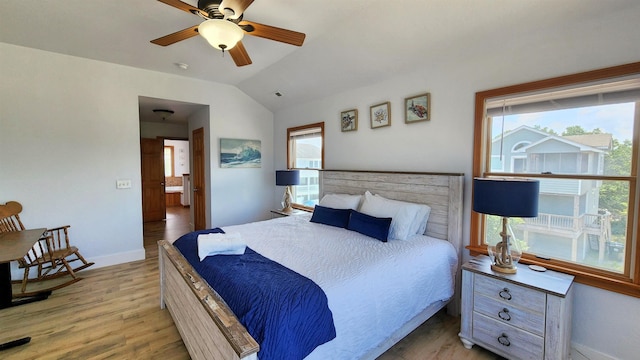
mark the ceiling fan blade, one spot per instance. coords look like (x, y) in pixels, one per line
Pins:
(238, 6)
(177, 36)
(275, 33)
(184, 7)
(239, 55)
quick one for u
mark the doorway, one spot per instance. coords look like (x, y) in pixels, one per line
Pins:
(174, 124)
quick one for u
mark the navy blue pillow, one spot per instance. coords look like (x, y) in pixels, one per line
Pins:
(369, 225)
(331, 216)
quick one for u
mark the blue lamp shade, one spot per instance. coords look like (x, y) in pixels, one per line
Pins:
(287, 177)
(506, 197)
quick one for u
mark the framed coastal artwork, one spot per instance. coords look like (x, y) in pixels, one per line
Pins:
(380, 115)
(417, 108)
(240, 153)
(349, 120)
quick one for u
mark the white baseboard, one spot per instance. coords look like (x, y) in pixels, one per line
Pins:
(581, 352)
(118, 258)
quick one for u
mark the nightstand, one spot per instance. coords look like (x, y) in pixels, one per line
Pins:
(276, 213)
(526, 315)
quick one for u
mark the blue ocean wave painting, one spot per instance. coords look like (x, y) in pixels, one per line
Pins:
(236, 153)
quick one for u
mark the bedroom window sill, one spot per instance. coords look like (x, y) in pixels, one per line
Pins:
(602, 280)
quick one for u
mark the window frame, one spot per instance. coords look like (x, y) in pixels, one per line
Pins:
(628, 283)
(173, 157)
(291, 158)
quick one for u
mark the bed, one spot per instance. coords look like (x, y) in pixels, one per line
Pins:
(209, 328)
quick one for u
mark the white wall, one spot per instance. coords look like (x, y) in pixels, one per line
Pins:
(453, 74)
(149, 129)
(70, 128)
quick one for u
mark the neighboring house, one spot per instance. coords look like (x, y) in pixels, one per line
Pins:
(568, 209)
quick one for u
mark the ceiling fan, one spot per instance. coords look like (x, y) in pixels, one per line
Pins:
(224, 27)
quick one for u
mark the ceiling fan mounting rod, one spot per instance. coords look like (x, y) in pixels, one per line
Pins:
(212, 7)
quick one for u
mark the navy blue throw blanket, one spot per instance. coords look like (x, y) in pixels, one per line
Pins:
(285, 312)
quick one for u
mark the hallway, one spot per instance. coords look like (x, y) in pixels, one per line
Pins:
(175, 225)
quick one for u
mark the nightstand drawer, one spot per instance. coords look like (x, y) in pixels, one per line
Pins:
(507, 339)
(537, 321)
(521, 318)
(509, 293)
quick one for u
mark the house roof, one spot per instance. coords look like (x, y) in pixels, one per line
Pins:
(600, 141)
(551, 138)
(589, 142)
(520, 128)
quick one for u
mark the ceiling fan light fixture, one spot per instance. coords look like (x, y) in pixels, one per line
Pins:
(221, 34)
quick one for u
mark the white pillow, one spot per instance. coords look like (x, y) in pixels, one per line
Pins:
(419, 224)
(406, 217)
(421, 219)
(341, 201)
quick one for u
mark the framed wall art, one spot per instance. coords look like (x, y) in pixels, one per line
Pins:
(349, 120)
(381, 115)
(240, 153)
(417, 108)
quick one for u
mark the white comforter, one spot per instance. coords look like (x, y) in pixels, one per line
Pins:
(373, 287)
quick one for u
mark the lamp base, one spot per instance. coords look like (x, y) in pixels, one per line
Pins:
(287, 210)
(504, 269)
(286, 200)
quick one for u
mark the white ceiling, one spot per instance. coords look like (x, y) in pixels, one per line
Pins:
(349, 43)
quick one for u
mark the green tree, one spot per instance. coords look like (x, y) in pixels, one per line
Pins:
(545, 129)
(614, 195)
(578, 130)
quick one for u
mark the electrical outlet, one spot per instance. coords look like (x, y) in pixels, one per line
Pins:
(123, 184)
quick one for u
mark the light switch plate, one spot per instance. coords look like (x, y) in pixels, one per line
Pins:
(123, 184)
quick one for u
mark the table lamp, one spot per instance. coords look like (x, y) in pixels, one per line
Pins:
(287, 178)
(506, 198)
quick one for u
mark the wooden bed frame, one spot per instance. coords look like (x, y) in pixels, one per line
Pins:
(209, 328)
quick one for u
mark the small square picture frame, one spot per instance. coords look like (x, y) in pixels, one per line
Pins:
(380, 115)
(417, 108)
(349, 120)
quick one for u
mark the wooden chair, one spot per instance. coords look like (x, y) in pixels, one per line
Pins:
(52, 256)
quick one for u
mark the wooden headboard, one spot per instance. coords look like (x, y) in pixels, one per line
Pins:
(441, 191)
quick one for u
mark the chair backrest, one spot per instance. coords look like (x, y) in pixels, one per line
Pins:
(9, 218)
(10, 221)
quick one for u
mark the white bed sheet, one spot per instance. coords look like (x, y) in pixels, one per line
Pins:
(373, 288)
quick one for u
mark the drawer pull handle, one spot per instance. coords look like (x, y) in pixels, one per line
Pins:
(505, 294)
(504, 340)
(504, 315)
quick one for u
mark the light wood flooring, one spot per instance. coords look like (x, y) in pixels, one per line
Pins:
(114, 313)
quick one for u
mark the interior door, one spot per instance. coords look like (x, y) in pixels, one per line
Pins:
(153, 197)
(197, 180)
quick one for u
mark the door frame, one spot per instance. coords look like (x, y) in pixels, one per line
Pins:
(198, 181)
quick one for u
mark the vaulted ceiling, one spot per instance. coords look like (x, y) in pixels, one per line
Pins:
(349, 43)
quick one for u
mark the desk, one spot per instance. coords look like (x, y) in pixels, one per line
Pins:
(13, 246)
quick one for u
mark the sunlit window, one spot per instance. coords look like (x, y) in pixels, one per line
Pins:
(305, 152)
(579, 139)
(168, 161)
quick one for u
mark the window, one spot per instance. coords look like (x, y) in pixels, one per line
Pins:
(579, 136)
(168, 161)
(305, 151)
